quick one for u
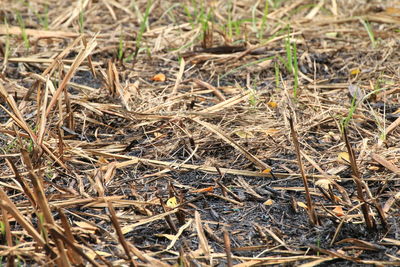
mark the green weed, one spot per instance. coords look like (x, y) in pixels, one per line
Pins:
(295, 70)
(253, 98)
(291, 63)
(230, 22)
(23, 30)
(120, 52)
(345, 121)
(142, 28)
(277, 75)
(264, 18)
(368, 28)
(7, 43)
(2, 228)
(43, 18)
(81, 21)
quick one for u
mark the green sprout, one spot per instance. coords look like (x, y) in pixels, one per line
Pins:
(23, 30)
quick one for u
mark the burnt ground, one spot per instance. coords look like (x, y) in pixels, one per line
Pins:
(105, 162)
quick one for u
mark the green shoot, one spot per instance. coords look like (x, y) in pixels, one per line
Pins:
(7, 43)
(30, 146)
(345, 121)
(368, 28)
(81, 21)
(292, 63)
(230, 22)
(289, 56)
(142, 28)
(277, 3)
(277, 75)
(198, 14)
(189, 15)
(253, 98)
(42, 223)
(43, 18)
(170, 14)
(23, 31)
(263, 21)
(296, 71)
(120, 52)
(2, 228)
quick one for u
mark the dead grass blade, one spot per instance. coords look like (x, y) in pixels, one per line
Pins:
(84, 53)
(131, 227)
(75, 250)
(36, 33)
(317, 262)
(392, 126)
(178, 234)
(134, 160)
(28, 192)
(385, 163)
(359, 185)
(179, 76)
(227, 103)
(340, 188)
(215, 91)
(230, 141)
(127, 247)
(111, 133)
(10, 207)
(7, 232)
(19, 120)
(69, 240)
(311, 209)
(203, 243)
(45, 208)
(227, 245)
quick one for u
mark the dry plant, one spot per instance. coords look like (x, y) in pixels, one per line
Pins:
(156, 133)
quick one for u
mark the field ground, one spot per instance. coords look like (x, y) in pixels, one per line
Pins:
(200, 133)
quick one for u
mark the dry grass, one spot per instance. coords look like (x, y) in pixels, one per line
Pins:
(272, 138)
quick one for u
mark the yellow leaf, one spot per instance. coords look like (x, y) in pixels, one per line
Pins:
(355, 71)
(203, 190)
(336, 198)
(102, 160)
(324, 183)
(338, 211)
(172, 202)
(331, 34)
(244, 134)
(373, 168)
(86, 227)
(344, 157)
(91, 254)
(301, 204)
(393, 11)
(103, 253)
(270, 131)
(269, 202)
(157, 134)
(268, 170)
(159, 77)
(397, 111)
(272, 104)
